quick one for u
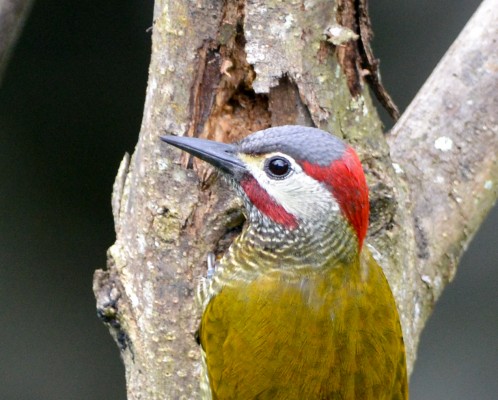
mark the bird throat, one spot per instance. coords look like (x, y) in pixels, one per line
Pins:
(265, 248)
(265, 244)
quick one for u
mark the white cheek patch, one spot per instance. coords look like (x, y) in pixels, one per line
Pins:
(298, 193)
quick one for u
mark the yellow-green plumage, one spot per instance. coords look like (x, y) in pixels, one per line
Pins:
(331, 333)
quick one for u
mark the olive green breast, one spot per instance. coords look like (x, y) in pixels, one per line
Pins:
(332, 334)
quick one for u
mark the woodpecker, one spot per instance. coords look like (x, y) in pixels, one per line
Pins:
(297, 308)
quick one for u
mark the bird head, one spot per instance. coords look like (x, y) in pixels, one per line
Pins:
(293, 179)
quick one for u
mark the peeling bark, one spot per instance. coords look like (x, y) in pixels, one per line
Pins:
(369, 64)
(224, 69)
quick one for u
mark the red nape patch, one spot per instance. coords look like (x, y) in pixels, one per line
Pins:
(266, 204)
(346, 181)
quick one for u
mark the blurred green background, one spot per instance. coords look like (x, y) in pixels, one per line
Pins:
(71, 105)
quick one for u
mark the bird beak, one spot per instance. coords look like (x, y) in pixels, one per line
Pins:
(220, 155)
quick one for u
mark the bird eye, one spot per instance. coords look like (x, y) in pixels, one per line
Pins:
(277, 167)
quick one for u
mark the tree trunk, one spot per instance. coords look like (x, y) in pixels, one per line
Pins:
(222, 70)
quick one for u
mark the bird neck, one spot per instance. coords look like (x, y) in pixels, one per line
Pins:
(308, 246)
(265, 247)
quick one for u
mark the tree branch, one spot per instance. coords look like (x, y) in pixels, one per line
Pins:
(445, 148)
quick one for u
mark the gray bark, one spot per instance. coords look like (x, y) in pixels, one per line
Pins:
(224, 69)
(445, 148)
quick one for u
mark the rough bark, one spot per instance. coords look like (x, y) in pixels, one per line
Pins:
(224, 69)
(445, 149)
(13, 13)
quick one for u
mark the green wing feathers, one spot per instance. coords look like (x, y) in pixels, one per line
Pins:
(330, 334)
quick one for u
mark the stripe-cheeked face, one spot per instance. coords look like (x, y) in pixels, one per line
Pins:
(298, 174)
(294, 175)
(278, 186)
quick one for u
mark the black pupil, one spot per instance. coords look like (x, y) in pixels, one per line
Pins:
(278, 166)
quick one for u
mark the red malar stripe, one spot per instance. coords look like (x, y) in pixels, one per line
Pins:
(266, 204)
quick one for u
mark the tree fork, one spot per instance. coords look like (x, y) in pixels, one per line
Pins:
(224, 69)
